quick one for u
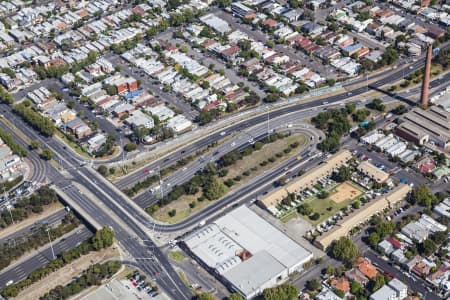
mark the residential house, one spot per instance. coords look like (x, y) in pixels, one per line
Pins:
(356, 275)
(341, 284)
(366, 268)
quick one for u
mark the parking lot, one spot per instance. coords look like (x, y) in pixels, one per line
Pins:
(121, 290)
(400, 174)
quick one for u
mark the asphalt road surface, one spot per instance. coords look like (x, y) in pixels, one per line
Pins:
(261, 119)
(415, 284)
(20, 271)
(130, 215)
(52, 219)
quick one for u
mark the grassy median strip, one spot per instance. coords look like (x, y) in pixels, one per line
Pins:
(176, 256)
(231, 171)
(151, 180)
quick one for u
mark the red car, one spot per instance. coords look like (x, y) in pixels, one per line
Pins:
(133, 282)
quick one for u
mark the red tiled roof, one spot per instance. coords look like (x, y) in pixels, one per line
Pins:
(341, 284)
(270, 22)
(366, 268)
(394, 242)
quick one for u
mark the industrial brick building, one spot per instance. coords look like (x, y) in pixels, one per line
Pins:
(432, 125)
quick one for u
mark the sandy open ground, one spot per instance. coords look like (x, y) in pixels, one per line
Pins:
(343, 192)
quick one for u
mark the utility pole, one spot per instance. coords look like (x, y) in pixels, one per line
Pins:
(160, 183)
(367, 82)
(8, 205)
(50, 240)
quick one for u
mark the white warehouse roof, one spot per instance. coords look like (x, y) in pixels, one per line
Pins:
(248, 252)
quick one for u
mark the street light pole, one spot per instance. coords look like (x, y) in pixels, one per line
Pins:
(50, 240)
(367, 82)
(5, 196)
(160, 183)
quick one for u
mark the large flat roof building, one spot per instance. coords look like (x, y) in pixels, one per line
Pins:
(326, 168)
(343, 227)
(247, 252)
(434, 122)
(216, 23)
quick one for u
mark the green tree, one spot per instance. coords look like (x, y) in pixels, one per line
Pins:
(377, 104)
(205, 296)
(355, 287)
(281, 292)
(345, 250)
(390, 55)
(130, 147)
(384, 229)
(350, 108)
(360, 115)
(103, 238)
(344, 173)
(215, 189)
(235, 296)
(400, 110)
(427, 247)
(34, 144)
(356, 204)
(35, 119)
(47, 154)
(102, 169)
(376, 283)
(71, 104)
(204, 117)
(439, 237)
(223, 3)
(424, 196)
(374, 239)
(313, 285)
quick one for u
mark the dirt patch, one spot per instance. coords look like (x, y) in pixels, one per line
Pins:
(344, 192)
(67, 273)
(48, 210)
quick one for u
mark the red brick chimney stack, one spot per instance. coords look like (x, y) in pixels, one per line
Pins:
(426, 78)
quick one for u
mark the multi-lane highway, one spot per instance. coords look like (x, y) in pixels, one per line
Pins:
(50, 220)
(389, 77)
(19, 271)
(242, 139)
(138, 244)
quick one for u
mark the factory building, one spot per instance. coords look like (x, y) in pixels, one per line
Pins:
(245, 252)
(421, 125)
